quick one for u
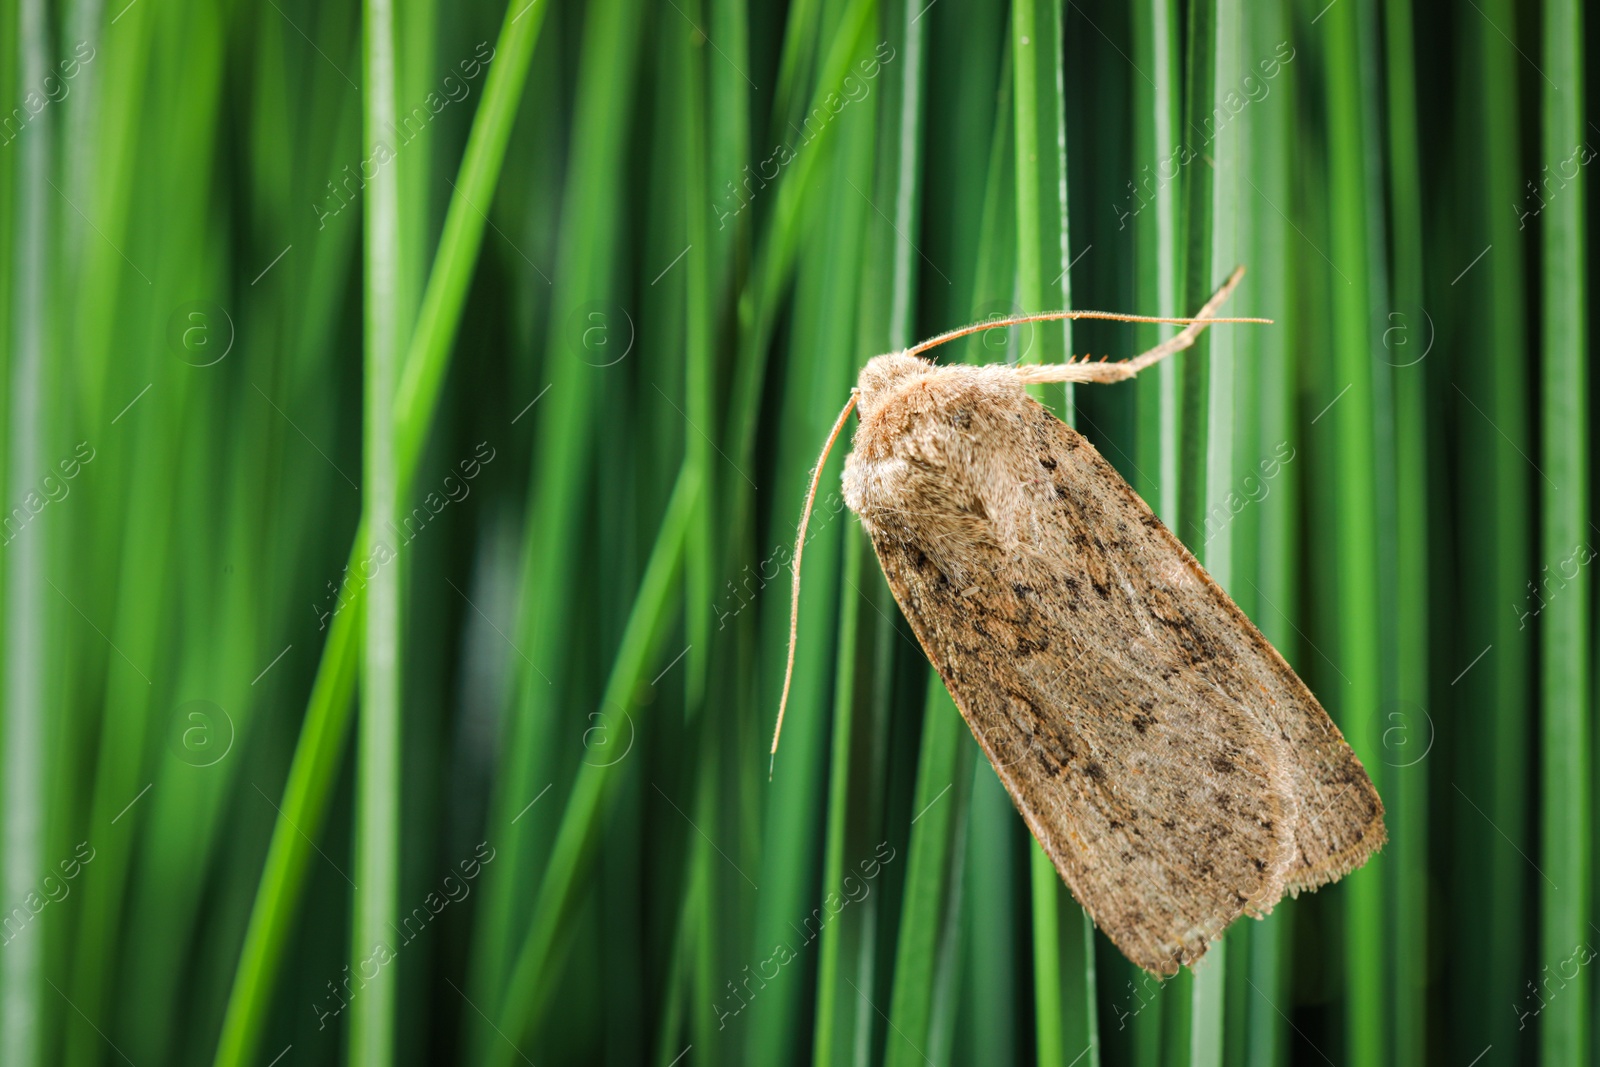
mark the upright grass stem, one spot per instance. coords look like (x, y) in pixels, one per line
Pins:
(1407, 798)
(1488, 399)
(377, 839)
(1566, 673)
(26, 560)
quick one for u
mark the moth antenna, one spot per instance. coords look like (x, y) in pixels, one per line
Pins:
(1125, 369)
(1199, 322)
(794, 596)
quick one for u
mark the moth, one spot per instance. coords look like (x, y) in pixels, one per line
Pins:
(1171, 764)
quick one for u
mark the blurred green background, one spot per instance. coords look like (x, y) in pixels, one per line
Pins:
(407, 409)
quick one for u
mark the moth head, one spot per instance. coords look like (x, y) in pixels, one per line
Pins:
(882, 375)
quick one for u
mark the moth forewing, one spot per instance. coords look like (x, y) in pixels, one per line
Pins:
(1165, 809)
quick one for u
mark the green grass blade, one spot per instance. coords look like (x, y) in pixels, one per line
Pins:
(1041, 140)
(1407, 799)
(1487, 396)
(699, 402)
(704, 927)
(1208, 1007)
(1353, 508)
(121, 98)
(1154, 204)
(944, 775)
(416, 33)
(377, 838)
(728, 134)
(1566, 675)
(439, 318)
(21, 971)
(991, 956)
(839, 1015)
(1195, 268)
(304, 808)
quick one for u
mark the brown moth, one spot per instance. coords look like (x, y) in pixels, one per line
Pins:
(1171, 764)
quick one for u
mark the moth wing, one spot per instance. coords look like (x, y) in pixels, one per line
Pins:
(1340, 820)
(1142, 726)
(1162, 848)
